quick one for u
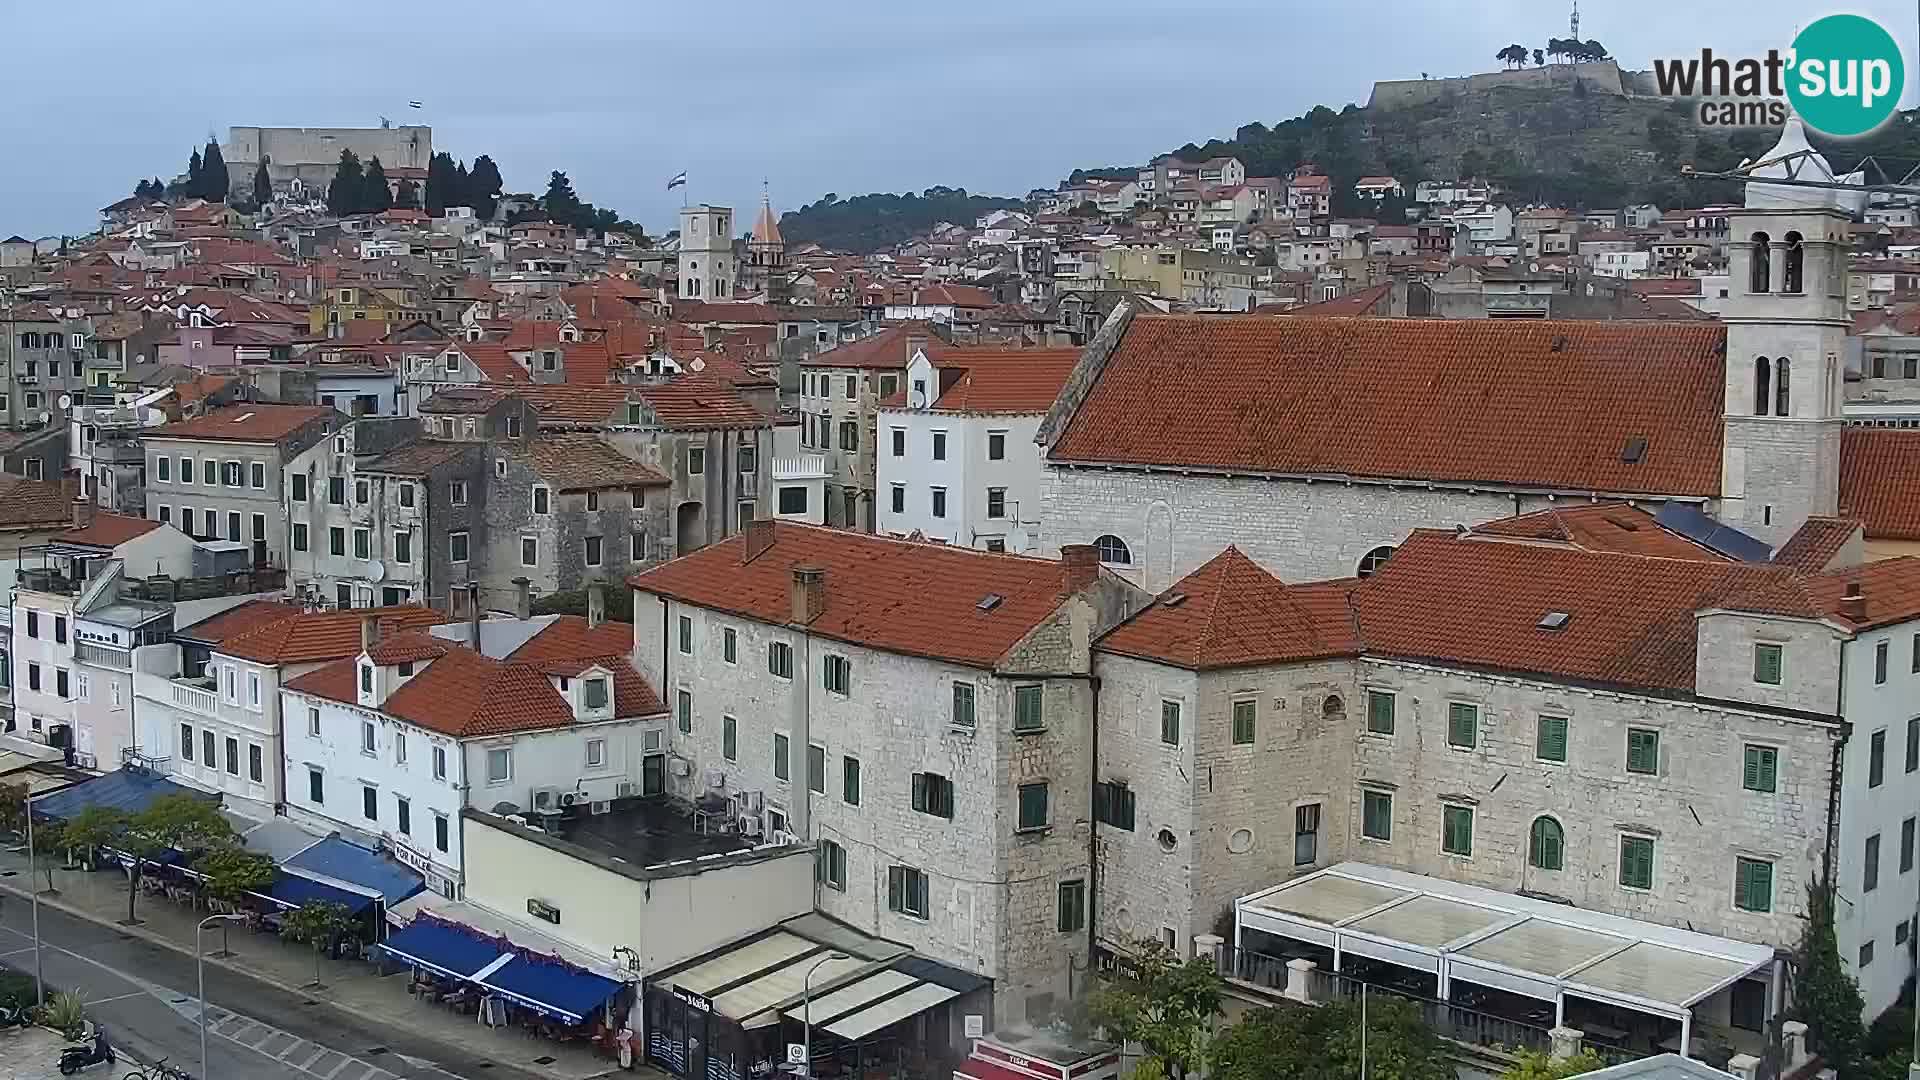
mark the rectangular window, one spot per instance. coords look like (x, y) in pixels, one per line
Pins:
(899, 441)
(457, 492)
(336, 490)
(541, 499)
(782, 769)
(362, 492)
(684, 629)
(186, 470)
(1380, 712)
(440, 831)
(1761, 771)
(336, 541)
(1456, 830)
(1550, 738)
(899, 496)
(403, 546)
(33, 623)
(1072, 907)
(499, 765)
(849, 435)
(61, 688)
(186, 742)
(939, 446)
(817, 768)
(683, 711)
(830, 865)
(1766, 664)
(780, 659)
(1906, 845)
(1913, 744)
(362, 543)
(366, 726)
(939, 504)
(1877, 758)
(1243, 722)
(400, 745)
(313, 722)
(963, 705)
(1870, 866)
(996, 445)
(907, 891)
(1376, 815)
(60, 629)
(457, 547)
(1643, 750)
(297, 487)
(593, 693)
(1113, 804)
(439, 763)
(316, 786)
(933, 794)
(729, 645)
(1463, 725)
(637, 547)
(1880, 663)
(1033, 807)
(369, 803)
(299, 535)
(1026, 708)
(403, 815)
(1636, 862)
(996, 502)
(406, 496)
(163, 469)
(1306, 834)
(850, 781)
(836, 674)
(730, 738)
(1752, 885)
(1866, 953)
(1170, 722)
(256, 475)
(253, 762)
(529, 551)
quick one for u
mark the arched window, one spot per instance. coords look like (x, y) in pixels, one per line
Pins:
(1374, 560)
(1546, 844)
(1796, 261)
(1760, 276)
(1333, 708)
(1782, 382)
(1762, 386)
(1113, 550)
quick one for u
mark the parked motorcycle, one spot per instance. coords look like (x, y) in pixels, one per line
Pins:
(75, 1058)
(16, 1014)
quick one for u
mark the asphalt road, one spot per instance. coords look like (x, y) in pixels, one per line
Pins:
(145, 997)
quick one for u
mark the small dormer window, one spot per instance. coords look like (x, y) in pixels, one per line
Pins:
(366, 678)
(406, 669)
(593, 693)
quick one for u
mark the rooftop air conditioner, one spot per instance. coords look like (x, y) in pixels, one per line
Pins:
(546, 798)
(568, 798)
(680, 766)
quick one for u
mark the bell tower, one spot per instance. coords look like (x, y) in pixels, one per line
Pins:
(1787, 322)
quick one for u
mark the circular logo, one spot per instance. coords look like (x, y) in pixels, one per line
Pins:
(1847, 75)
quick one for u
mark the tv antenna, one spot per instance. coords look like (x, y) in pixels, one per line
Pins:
(1575, 21)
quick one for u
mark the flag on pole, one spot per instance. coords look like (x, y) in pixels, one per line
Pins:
(678, 181)
(415, 105)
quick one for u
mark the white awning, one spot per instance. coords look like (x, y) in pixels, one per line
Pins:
(891, 1011)
(736, 964)
(851, 997)
(776, 986)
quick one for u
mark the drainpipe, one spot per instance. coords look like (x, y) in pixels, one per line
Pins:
(1093, 823)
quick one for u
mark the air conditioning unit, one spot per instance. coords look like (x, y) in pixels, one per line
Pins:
(680, 766)
(568, 798)
(782, 836)
(716, 779)
(599, 806)
(749, 824)
(546, 798)
(626, 789)
(748, 801)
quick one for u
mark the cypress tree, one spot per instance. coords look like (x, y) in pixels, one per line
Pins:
(1826, 998)
(484, 193)
(215, 182)
(196, 176)
(375, 195)
(343, 194)
(262, 185)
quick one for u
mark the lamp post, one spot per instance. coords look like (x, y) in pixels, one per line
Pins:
(806, 1009)
(33, 889)
(200, 967)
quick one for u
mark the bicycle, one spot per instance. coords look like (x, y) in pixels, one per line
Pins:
(160, 1070)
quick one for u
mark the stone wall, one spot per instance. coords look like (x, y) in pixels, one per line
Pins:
(1603, 77)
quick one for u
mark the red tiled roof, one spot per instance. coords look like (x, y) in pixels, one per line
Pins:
(1361, 302)
(1890, 588)
(1005, 380)
(699, 312)
(1232, 613)
(895, 595)
(1880, 481)
(1537, 403)
(569, 646)
(322, 635)
(243, 423)
(28, 503)
(492, 360)
(238, 620)
(1615, 527)
(109, 530)
(1685, 286)
(697, 402)
(1813, 546)
(886, 349)
(583, 462)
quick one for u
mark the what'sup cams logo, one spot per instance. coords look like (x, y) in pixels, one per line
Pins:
(1843, 76)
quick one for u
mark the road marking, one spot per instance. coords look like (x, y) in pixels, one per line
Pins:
(119, 997)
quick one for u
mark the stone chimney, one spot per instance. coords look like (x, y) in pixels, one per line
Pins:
(1083, 565)
(82, 510)
(473, 614)
(596, 603)
(1853, 602)
(522, 598)
(369, 632)
(809, 593)
(757, 537)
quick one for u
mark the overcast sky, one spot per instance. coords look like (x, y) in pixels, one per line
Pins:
(850, 96)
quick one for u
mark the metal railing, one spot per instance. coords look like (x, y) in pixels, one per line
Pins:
(194, 699)
(1254, 969)
(102, 655)
(1451, 1021)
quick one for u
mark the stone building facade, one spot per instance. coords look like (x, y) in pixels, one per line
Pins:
(222, 475)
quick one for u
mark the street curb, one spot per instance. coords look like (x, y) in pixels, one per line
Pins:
(304, 994)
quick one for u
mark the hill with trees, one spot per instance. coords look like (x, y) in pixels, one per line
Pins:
(880, 220)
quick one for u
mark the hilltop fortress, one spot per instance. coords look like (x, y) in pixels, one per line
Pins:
(310, 155)
(1597, 77)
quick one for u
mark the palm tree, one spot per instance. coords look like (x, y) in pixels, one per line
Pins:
(1511, 55)
(1595, 50)
(1539, 58)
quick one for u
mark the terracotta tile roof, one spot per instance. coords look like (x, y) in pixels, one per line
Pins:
(1890, 587)
(243, 423)
(1232, 613)
(1537, 403)
(109, 530)
(408, 647)
(1004, 380)
(492, 360)
(884, 350)
(1615, 527)
(895, 595)
(699, 402)
(418, 459)
(569, 646)
(1880, 481)
(28, 503)
(566, 403)
(1362, 302)
(1686, 286)
(238, 620)
(1813, 546)
(466, 400)
(698, 312)
(322, 635)
(583, 462)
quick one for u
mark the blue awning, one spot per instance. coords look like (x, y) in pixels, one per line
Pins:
(336, 858)
(553, 987)
(294, 890)
(130, 790)
(450, 952)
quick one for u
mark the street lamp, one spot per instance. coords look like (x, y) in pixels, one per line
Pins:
(200, 967)
(806, 1007)
(33, 889)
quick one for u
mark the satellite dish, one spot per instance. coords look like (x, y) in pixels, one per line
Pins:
(916, 399)
(66, 402)
(696, 364)
(378, 573)
(45, 416)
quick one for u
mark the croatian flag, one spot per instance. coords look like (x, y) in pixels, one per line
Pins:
(415, 105)
(678, 181)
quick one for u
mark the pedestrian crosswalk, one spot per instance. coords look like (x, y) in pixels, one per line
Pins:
(320, 1062)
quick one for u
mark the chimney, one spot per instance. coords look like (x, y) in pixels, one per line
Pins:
(915, 342)
(1083, 565)
(757, 538)
(596, 603)
(82, 510)
(809, 593)
(522, 598)
(369, 632)
(473, 614)
(1853, 602)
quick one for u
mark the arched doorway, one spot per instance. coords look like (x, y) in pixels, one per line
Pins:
(689, 528)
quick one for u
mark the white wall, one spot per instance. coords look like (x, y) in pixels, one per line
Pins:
(967, 474)
(35, 711)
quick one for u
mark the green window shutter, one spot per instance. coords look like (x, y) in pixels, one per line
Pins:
(850, 781)
(1170, 723)
(1761, 769)
(1026, 708)
(1753, 883)
(920, 792)
(1457, 831)
(1643, 750)
(1463, 722)
(896, 888)
(1125, 798)
(1550, 743)
(1636, 862)
(1243, 722)
(1379, 712)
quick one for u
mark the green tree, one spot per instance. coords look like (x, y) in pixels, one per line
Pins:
(179, 823)
(1826, 998)
(90, 830)
(262, 185)
(214, 181)
(560, 202)
(440, 193)
(343, 194)
(13, 805)
(1539, 58)
(1539, 1065)
(232, 872)
(1166, 1006)
(196, 176)
(482, 190)
(375, 195)
(1293, 1043)
(318, 923)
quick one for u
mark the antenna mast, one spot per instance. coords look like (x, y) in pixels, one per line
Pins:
(1575, 23)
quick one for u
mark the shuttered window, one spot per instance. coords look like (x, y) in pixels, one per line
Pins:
(1761, 769)
(1636, 862)
(1550, 739)
(1753, 885)
(1643, 750)
(1456, 830)
(1463, 725)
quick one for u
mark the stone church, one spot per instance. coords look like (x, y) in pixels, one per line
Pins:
(1318, 444)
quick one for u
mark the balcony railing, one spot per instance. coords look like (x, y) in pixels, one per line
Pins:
(102, 655)
(194, 699)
